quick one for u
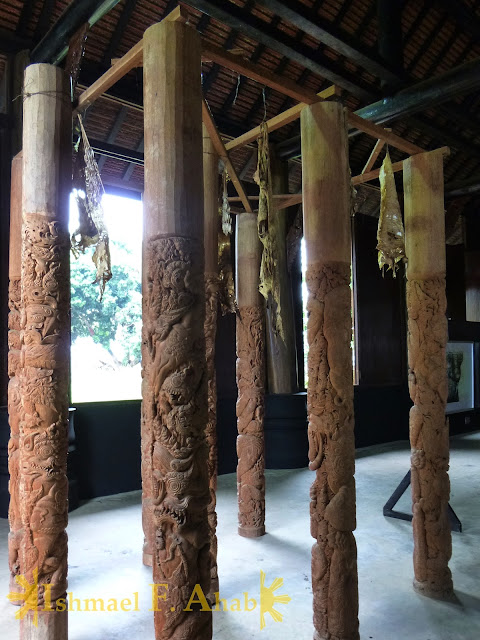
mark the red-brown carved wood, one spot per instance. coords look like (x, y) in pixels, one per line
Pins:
(174, 316)
(14, 361)
(326, 213)
(44, 376)
(250, 380)
(427, 338)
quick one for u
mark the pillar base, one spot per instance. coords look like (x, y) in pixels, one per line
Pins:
(251, 532)
(319, 636)
(16, 588)
(52, 625)
(437, 592)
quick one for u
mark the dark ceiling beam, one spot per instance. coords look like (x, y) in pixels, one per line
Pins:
(390, 38)
(11, 43)
(43, 20)
(423, 95)
(261, 31)
(462, 188)
(119, 31)
(331, 37)
(465, 17)
(77, 13)
(25, 16)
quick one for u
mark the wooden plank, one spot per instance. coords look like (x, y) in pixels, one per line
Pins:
(280, 120)
(373, 156)
(282, 201)
(131, 60)
(379, 132)
(222, 153)
(371, 175)
(256, 72)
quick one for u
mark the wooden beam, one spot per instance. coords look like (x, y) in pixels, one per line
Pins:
(281, 119)
(373, 156)
(371, 175)
(222, 153)
(396, 166)
(282, 201)
(255, 72)
(132, 59)
(377, 131)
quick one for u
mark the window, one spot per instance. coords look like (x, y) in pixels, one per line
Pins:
(106, 335)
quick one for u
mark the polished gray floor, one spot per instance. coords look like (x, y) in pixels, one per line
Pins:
(105, 559)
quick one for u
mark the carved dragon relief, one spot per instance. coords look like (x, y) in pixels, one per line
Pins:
(174, 339)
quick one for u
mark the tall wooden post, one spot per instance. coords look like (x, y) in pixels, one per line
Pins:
(427, 338)
(44, 376)
(326, 224)
(281, 351)
(250, 380)
(210, 183)
(174, 314)
(14, 360)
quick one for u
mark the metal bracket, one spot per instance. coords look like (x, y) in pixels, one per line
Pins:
(389, 512)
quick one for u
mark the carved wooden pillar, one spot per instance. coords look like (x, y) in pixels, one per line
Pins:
(210, 183)
(250, 380)
(14, 360)
(281, 351)
(174, 314)
(44, 376)
(427, 338)
(326, 224)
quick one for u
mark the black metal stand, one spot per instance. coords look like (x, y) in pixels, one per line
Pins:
(389, 512)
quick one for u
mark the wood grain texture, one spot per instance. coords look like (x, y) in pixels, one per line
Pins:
(326, 214)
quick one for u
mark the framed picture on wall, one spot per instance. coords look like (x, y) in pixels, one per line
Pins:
(461, 376)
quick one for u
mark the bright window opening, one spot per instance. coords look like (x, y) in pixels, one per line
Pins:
(106, 335)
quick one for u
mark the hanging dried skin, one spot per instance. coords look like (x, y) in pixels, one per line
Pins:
(92, 229)
(390, 233)
(226, 214)
(228, 303)
(269, 285)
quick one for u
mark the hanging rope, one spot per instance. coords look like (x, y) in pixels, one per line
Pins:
(91, 229)
(390, 233)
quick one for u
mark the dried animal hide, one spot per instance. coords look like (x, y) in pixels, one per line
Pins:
(92, 229)
(269, 284)
(228, 303)
(390, 233)
(226, 214)
(332, 451)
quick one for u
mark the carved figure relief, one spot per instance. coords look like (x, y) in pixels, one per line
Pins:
(427, 339)
(212, 287)
(44, 380)
(14, 417)
(250, 421)
(174, 339)
(332, 452)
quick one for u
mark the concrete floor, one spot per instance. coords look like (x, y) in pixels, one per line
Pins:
(106, 541)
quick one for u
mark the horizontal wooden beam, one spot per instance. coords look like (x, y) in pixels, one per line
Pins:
(223, 155)
(255, 72)
(376, 131)
(371, 175)
(122, 66)
(281, 120)
(282, 201)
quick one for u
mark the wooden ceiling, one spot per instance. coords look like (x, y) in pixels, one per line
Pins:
(314, 42)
